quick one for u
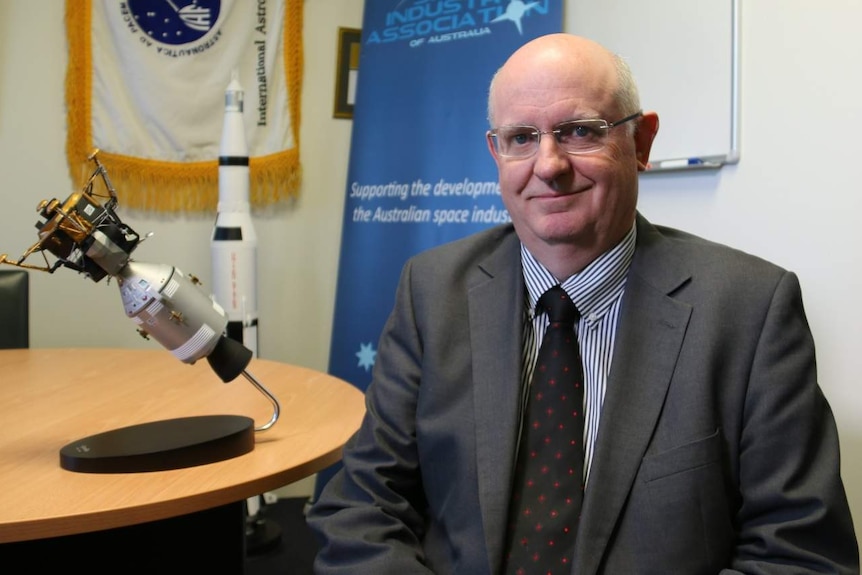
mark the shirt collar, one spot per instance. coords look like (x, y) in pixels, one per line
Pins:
(592, 289)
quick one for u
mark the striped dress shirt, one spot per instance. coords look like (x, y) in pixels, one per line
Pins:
(597, 291)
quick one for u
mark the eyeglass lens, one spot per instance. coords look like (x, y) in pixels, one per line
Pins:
(577, 137)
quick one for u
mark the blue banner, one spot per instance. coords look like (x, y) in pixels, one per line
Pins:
(420, 173)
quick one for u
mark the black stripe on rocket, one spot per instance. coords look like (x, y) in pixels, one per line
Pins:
(221, 234)
(233, 160)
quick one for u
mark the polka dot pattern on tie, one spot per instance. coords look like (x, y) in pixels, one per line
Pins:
(548, 489)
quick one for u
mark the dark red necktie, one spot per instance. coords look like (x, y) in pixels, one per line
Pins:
(548, 488)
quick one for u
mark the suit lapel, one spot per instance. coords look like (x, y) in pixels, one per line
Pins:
(496, 311)
(649, 337)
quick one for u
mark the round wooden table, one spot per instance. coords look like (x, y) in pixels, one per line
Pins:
(51, 397)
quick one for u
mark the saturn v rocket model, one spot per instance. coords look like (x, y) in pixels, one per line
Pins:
(234, 243)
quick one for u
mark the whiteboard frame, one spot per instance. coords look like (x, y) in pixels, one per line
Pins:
(733, 154)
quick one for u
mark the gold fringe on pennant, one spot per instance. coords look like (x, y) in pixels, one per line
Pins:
(176, 187)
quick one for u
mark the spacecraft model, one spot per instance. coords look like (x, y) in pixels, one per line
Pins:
(86, 235)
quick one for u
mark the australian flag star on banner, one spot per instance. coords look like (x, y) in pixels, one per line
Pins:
(420, 173)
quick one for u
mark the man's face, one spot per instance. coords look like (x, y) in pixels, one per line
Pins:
(555, 198)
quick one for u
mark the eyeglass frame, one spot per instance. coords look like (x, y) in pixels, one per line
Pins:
(492, 134)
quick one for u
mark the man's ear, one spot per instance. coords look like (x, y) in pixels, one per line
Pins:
(644, 135)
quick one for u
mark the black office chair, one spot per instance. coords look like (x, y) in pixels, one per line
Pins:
(14, 309)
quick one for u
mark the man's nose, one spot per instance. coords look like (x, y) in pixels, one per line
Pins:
(550, 157)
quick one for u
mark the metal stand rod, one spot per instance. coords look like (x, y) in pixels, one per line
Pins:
(270, 396)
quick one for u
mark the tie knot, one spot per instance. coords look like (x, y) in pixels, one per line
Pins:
(559, 307)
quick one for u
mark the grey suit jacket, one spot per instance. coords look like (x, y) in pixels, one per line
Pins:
(716, 453)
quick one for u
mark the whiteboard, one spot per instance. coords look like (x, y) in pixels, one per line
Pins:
(684, 55)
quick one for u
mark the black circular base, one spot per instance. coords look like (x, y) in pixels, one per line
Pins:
(161, 445)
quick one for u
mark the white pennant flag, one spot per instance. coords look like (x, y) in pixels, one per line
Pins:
(146, 85)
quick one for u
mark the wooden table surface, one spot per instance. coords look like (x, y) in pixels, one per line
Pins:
(51, 397)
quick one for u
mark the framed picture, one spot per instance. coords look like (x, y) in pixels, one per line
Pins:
(347, 71)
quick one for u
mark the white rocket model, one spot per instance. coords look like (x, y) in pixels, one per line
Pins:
(234, 243)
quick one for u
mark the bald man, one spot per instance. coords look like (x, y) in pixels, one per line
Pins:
(708, 446)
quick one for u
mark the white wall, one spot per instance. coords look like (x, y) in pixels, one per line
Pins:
(793, 198)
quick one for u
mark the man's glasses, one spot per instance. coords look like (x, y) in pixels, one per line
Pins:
(573, 137)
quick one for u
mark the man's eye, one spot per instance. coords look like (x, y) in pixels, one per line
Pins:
(521, 138)
(576, 132)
